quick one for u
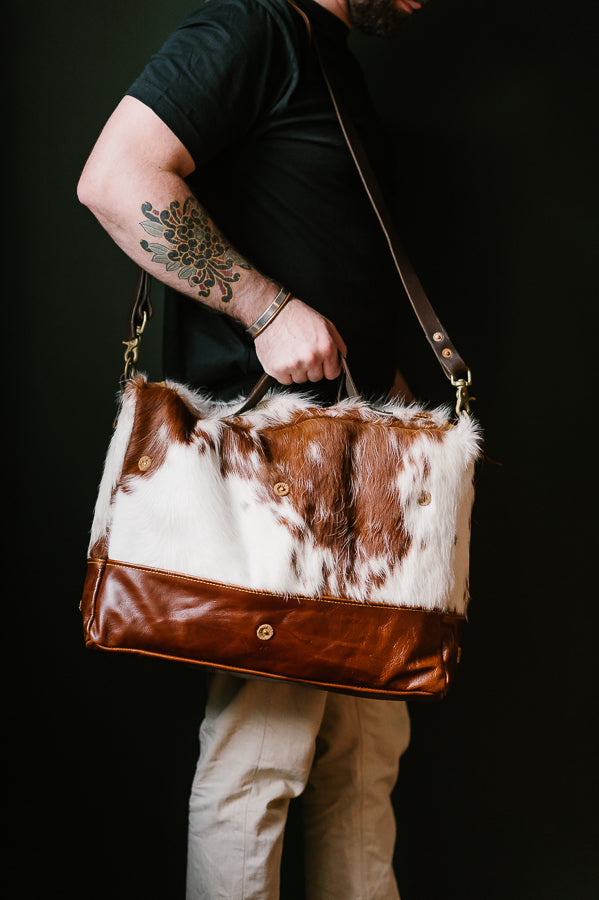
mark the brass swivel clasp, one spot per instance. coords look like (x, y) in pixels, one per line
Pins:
(131, 355)
(463, 398)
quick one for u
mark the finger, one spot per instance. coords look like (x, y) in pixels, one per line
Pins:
(332, 367)
(315, 373)
(281, 376)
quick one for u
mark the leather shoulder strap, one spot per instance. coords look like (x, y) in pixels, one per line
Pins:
(139, 305)
(450, 360)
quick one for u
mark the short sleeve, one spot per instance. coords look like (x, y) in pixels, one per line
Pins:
(225, 66)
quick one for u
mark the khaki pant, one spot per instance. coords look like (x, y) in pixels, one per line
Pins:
(262, 743)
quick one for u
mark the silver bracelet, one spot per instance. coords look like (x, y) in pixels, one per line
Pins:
(269, 313)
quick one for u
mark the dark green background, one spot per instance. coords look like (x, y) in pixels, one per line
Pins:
(493, 107)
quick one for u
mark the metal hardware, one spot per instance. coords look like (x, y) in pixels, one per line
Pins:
(265, 632)
(132, 352)
(281, 488)
(144, 463)
(463, 398)
(424, 499)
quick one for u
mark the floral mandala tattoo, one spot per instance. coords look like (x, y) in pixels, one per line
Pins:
(195, 248)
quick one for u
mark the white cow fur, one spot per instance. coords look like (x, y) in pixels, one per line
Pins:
(183, 517)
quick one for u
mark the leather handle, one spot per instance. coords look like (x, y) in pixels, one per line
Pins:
(256, 394)
(267, 381)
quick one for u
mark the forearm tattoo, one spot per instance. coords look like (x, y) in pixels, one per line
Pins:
(194, 247)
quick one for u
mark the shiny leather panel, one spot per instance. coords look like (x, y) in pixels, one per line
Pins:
(370, 650)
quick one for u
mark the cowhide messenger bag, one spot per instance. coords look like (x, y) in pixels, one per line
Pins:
(280, 539)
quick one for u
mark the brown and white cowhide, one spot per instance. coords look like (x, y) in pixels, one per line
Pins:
(352, 501)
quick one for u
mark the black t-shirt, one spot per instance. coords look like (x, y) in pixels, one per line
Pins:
(240, 85)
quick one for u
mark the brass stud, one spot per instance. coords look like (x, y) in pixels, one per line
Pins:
(144, 463)
(281, 488)
(265, 632)
(424, 499)
(446, 353)
(437, 336)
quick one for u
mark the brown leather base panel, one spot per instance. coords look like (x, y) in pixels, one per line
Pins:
(369, 650)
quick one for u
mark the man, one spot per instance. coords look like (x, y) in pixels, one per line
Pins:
(224, 173)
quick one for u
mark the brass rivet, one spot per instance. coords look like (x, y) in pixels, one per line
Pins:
(446, 353)
(265, 632)
(144, 463)
(424, 499)
(281, 488)
(437, 336)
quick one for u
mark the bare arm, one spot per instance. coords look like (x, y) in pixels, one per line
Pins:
(134, 183)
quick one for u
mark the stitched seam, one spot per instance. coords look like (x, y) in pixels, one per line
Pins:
(337, 600)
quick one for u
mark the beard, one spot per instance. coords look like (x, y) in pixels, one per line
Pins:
(380, 18)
